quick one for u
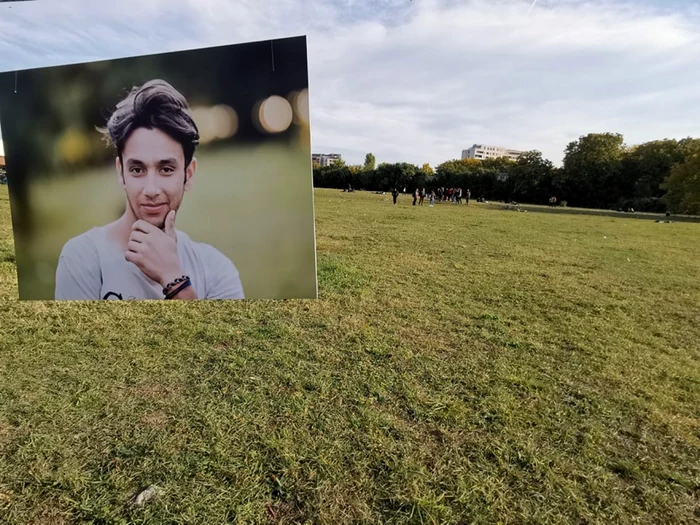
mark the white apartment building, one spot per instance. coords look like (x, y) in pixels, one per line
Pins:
(325, 159)
(482, 151)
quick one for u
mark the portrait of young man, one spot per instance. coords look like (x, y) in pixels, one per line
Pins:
(142, 255)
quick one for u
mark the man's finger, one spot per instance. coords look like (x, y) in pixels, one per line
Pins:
(170, 223)
(138, 236)
(131, 257)
(134, 246)
(143, 226)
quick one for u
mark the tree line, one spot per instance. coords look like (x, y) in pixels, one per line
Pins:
(598, 171)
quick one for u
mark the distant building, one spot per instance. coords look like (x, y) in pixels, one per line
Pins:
(325, 159)
(482, 151)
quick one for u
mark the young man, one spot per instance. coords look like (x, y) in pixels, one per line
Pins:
(395, 195)
(141, 255)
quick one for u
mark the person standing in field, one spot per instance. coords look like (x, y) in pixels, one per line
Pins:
(422, 196)
(469, 196)
(415, 196)
(395, 195)
(432, 198)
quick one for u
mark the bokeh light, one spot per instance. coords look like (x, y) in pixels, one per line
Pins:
(215, 123)
(225, 120)
(73, 146)
(292, 99)
(300, 104)
(275, 114)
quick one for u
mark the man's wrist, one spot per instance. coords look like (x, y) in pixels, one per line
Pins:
(178, 288)
(170, 277)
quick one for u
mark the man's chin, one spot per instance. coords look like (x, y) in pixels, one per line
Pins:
(158, 222)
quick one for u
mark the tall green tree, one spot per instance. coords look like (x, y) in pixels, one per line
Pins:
(647, 165)
(532, 178)
(452, 173)
(370, 162)
(593, 171)
(683, 186)
(400, 175)
(689, 146)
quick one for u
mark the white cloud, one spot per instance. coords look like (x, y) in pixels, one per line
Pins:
(419, 80)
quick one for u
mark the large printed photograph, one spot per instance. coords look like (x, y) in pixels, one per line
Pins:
(183, 175)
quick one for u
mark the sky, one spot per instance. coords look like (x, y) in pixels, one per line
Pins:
(419, 80)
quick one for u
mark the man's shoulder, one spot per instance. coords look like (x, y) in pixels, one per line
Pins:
(207, 251)
(82, 244)
(222, 280)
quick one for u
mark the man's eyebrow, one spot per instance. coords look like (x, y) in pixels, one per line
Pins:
(167, 161)
(135, 162)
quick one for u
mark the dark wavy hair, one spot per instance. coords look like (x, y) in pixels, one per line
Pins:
(155, 105)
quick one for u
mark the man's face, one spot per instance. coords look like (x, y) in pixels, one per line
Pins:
(153, 174)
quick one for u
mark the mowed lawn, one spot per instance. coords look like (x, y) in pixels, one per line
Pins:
(462, 365)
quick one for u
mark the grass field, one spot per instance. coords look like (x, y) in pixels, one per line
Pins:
(462, 365)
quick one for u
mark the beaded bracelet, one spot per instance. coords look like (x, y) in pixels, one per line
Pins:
(173, 283)
(178, 289)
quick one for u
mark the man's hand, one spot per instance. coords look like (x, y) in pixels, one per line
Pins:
(155, 251)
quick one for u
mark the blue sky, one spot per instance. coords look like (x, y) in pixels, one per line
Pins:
(420, 80)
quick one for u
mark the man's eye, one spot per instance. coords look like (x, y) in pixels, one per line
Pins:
(136, 171)
(168, 169)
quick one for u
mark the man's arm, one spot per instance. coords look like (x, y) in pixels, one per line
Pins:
(75, 280)
(223, 281)
(187, 294)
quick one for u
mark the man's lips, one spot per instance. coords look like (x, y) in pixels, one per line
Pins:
(153, 208)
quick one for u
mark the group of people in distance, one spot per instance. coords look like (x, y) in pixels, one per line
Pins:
(441, 194)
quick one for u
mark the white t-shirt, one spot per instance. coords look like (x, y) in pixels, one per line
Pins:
(92, 266)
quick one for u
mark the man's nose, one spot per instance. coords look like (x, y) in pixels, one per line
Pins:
(151, 187)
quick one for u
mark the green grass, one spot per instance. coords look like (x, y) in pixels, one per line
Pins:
(462, 365)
